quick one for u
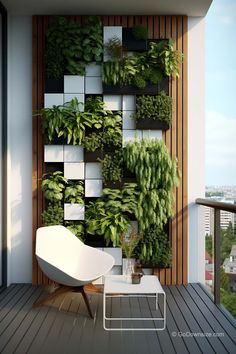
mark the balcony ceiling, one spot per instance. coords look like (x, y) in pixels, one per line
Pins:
(108, 7)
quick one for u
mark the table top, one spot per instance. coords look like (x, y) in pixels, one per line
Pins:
(117, 284)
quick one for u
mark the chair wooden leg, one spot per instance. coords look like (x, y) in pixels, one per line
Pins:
(60, 290)
(86, 302)
(92, 288)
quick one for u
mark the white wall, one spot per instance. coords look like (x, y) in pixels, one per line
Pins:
(0, 151)
(196, 146)
(19, 149)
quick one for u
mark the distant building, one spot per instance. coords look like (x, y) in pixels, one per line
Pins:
(225, 218)
(229, 266)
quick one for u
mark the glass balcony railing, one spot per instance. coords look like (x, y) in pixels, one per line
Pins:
(220, 252)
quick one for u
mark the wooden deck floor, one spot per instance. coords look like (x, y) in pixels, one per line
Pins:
(194, 325)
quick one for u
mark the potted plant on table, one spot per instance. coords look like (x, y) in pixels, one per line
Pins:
(128, 243)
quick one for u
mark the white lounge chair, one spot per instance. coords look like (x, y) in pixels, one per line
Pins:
(67, 261)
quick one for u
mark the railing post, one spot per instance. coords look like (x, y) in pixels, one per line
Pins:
(217, 256)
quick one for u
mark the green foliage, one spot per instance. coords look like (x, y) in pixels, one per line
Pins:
(114, 48)
(108, 123)
(228, 299)
(154, 107)
(94, 141)
(129, 242)
(139, 32)
(224, 280)
(112, 167)
(161, 59)
(154, 248)
(170, 58)
(77, 228)
(70, 45)
(74, 192)
(209, 245)
(53, 186)
(227, 240)
(107, 216)
(156, 174)
(53, 215)
(69, 122)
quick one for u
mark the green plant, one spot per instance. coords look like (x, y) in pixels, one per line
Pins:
(161, 59)
(94, 141)
(66, 121)
(154, 107)
(154, 248)
(108, 215)
(77, 228)
(74, 192)
(139, 32)
(114, 48)
(112, 167)
(53, 186)
(156, 174)
(164, 55)
(129, 242)
(53, 215)
(72, 45)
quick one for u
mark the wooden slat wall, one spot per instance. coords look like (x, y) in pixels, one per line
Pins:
(176, 138)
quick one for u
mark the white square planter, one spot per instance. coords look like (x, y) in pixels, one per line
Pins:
(152, 134)
(93, 188)
(73, 153)
(74, 170)
(73, 84)
(115, 270)
(108, 33)
(128, 120)
(53, 153)
(93, 69)
(131, 135)
(113, 102)
(115, 252)
(93, 170)
(80, 97)
(53, 99)
(129, 103)
(93, 85)
(74, 211)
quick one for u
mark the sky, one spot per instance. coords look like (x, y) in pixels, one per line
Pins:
(220, 47)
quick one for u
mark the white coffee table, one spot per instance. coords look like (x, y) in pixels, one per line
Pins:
(116, 286)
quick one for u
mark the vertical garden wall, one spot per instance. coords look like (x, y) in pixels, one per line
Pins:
(120, 102)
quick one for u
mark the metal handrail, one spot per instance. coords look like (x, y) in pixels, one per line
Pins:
(217, 206)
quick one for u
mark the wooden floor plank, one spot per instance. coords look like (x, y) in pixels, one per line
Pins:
(64, 327)
(216, 311)
(213, 322)
(206, 328)
(192, 322)
(11, 300)
(12, 333)
(181, 323)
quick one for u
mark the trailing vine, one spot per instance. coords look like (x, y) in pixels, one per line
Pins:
(156, 174)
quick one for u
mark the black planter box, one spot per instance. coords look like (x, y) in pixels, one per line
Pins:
(150, 89)
(93, 156)
(113, 185)
(154, 266)
(54, 86)
(151, 124)
(132, 44)
(96, 241)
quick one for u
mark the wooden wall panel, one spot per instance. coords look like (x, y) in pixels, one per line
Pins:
(176, 138)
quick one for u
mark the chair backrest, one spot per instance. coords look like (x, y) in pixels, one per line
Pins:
(58, 246)
(66, 260)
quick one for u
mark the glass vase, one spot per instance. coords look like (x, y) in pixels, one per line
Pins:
(128, 269)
